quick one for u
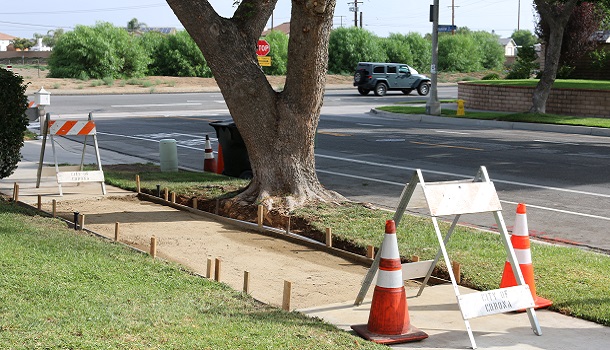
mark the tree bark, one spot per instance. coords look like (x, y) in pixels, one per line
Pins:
(557, 16)
(278, 128)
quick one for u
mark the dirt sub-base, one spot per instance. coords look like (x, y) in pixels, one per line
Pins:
(188, 239)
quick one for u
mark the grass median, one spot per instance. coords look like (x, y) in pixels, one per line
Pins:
(66, 290)
(574, 279)
(503, 116)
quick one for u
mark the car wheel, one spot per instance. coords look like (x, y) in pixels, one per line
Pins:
(423, 89)
(363, 91)
(360, 76)
(406, 91)
(381, 89)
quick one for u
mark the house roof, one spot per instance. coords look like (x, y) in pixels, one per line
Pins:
(6, 37)
(284, 27)
(506, 41)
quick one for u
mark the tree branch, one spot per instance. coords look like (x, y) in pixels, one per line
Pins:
(251, 16)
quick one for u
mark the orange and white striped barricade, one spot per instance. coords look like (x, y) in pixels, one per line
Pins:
(84, 128)
(447, 198)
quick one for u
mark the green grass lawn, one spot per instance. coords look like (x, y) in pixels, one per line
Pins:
(577, 281)
(510, 117)
(64, 290)
(559, 83)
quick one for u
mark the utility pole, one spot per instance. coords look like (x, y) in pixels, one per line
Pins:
(433, 106)
(453, 16)
(355, 10)
(518, 14)
(341, 19)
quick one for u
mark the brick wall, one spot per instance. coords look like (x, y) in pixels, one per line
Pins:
(589, 103)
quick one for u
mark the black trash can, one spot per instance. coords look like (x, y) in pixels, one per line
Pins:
(234, 152)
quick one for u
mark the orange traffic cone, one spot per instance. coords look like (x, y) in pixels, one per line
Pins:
(220, 163)
(521, 244)
(389, 316)
(209, 163)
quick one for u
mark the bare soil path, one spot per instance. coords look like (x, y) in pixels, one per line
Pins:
(317, 278)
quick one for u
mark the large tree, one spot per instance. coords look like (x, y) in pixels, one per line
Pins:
(278, 128)
(556, 14)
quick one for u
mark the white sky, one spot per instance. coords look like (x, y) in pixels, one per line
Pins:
(24, 18)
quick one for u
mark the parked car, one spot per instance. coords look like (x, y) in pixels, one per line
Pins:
(383, 77)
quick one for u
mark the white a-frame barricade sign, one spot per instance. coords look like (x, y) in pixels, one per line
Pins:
(63, 127)
(456, 198)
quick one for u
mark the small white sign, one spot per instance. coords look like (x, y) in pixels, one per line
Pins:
(433, 68)
(495, 301)
(80, 176)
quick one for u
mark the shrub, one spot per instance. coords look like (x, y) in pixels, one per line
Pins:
(492, 76)
(458, 53)
(179, 56)
(348, 46)
(13, 120)
(525, 64)
(97, 52)
(278, 43)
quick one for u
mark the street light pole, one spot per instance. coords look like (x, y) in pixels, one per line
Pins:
(433, 106)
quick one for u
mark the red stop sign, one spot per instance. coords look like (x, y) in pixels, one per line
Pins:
(263, 48)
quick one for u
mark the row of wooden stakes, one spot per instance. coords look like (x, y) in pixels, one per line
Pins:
(80, 221)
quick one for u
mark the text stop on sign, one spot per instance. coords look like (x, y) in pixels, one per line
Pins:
(263, 48)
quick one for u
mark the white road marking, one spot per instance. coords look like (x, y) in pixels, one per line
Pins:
(364, 124)
(157, 105)
(558, 142)
(463, 176)
(503, 201)
(452, 132)
(408, 168)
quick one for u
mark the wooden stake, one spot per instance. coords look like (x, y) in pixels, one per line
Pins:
(116, 231)
(54, 210)
(138, 183)
(195, 203)
(455, 266)
(370, 252)
(287, 293)
(415, 258)
(39, 205)
(165, 193)
(208, 272)
(81, 222)
(329, 237)
(217, 270)
(153, 246)
(260, 216)
(288, 225)
(16, 192)
(247, 282)
(173, 197)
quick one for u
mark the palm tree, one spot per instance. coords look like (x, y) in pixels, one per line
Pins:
(134, 26)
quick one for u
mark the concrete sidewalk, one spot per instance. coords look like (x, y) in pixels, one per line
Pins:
(435, 312)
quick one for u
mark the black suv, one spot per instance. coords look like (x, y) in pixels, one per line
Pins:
(381, 77)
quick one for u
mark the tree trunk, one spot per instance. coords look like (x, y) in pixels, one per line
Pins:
(557, 16)
(278, 128)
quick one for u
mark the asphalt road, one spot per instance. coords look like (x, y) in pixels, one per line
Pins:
(563, 178)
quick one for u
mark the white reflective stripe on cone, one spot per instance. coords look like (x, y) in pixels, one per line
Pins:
(524, 256)
(520, 228)
(389, 247)
(390, 279)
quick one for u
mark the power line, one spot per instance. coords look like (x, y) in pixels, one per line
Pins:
(109, 9)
